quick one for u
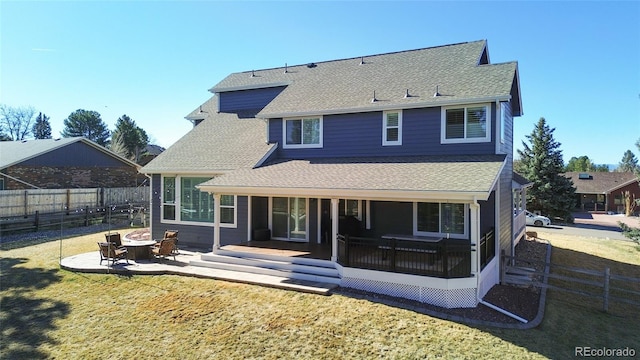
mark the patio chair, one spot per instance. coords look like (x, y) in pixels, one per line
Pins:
(115, 239)
(108, 251)
(170, 234)
(164, 248)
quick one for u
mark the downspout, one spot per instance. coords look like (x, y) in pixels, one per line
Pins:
(511, 315)
(476, 207)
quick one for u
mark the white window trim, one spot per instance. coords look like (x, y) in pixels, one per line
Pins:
(464, 235)
(386, 142)
(465, 140)
(177, 204)
(270, 219)
(302, 146)
(346, 206)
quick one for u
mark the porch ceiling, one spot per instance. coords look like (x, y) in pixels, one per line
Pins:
(392, 178)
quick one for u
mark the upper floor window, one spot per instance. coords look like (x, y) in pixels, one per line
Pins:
(466, 124)
(182, 202)
(392, 128)
(303, 133)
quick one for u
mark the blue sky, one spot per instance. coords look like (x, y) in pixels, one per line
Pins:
(579, 62)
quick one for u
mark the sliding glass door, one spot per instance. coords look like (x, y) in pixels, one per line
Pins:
(289, 218)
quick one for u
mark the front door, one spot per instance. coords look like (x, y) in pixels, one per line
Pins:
(289, 219)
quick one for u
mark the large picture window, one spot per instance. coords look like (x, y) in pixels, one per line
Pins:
(303, 133)
(182, 202)
(466, 124)
(441, 219)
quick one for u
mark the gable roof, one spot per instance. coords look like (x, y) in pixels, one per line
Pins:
(411, 177)
(600, 182)
(15, 152)
(220, 143)
(460, 73)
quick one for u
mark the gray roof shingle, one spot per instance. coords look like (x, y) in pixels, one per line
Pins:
(601, 182)
(428, 174)
(15, 152)
(346, 86)
(220, 143)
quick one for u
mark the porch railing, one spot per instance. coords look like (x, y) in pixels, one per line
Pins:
(444, 259)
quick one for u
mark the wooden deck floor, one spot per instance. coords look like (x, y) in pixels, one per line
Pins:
(284, 248)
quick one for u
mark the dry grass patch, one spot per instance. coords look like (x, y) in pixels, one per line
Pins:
(50, 313)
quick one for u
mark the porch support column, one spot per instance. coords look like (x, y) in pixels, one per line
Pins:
(475, 237)
(249, 218)
(334, 229)
(216, 222)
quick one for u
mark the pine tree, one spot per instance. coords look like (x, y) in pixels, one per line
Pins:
(42, 127)
(629, 163)
(88, 124)
(552, 193)
(128, 139)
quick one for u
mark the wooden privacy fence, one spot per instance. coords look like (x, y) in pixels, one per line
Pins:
(28, 202)
(585, 282)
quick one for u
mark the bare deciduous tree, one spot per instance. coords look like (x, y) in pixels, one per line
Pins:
(16, 121)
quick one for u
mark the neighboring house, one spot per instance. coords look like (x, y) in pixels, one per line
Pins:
(408, 153)
(63, 163)
(150, 152)
(603, 191)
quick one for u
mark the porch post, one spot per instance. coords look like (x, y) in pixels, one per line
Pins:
(249, 218)
(216, 222)
(475, 237)
(334, 230)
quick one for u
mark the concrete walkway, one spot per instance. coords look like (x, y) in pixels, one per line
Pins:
(90, 263)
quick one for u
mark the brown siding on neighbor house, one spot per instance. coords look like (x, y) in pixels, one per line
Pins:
(618, 206)
(71, 177)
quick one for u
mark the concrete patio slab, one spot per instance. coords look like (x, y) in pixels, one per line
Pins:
(90, 263)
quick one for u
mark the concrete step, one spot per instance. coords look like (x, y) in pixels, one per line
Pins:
(313, 270)
(275, 264)
(285, 274)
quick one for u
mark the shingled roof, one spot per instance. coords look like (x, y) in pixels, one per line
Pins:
(460, 73)
(449, 177)
(15, 152)
(220, 143)
(600, 182)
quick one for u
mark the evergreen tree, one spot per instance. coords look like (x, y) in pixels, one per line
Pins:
(629, 163)
(42, 127)
(88, 124)
(552, 193)
(129, 140)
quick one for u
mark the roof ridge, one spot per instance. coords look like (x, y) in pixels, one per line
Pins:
(363, 56)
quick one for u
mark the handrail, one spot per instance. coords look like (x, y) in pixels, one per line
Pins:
(449, 258)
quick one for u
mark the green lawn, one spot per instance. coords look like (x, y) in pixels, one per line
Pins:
(51, 313)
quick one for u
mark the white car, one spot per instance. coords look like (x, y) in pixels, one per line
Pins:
(537, 220)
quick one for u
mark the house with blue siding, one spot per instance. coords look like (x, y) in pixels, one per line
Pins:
(388, 173)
